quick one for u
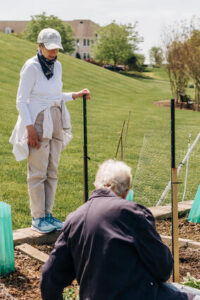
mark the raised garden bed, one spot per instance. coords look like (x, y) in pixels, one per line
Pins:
(24, 283)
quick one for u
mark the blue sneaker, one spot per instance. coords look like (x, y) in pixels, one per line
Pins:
(42, 226)
(53, 221)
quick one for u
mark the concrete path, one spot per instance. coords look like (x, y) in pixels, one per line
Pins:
(33, 252)
(23, 238)
(27, 235)
(164, 212)
(182, 242)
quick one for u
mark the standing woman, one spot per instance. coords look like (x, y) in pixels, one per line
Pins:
(43, 128)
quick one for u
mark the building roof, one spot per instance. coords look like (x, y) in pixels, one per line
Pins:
(81, 28)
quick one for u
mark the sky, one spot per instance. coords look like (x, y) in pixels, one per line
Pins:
(152, 15)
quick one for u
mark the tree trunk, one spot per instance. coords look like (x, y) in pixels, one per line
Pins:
(198, 95)
(176, 97)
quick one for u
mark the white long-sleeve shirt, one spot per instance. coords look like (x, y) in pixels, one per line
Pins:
(35, 94)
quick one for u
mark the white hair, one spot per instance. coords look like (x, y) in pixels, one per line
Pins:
(114, 175)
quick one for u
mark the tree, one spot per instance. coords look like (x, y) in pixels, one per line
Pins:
(192, 58)
(176, 67)
(115, 43)
(39, 22)
(156, 56)
(135, 62)
(175, 56)
(183, 56)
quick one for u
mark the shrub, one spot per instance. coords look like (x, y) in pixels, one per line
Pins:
(191, 281)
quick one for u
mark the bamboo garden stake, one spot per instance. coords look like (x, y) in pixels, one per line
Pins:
(174, 198)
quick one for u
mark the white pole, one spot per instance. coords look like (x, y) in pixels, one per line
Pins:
(186, 171)
(164, 194)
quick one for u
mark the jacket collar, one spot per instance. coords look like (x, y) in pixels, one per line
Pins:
(102, 193)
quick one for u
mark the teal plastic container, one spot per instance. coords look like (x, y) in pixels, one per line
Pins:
(7, 260)
(130, 195)
(194, 215)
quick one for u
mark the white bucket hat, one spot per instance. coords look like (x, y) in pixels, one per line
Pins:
(50, 38)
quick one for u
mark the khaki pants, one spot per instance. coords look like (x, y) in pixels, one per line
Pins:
(43, 166)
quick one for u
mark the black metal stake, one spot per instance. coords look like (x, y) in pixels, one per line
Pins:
(172, 133)
(85, 155)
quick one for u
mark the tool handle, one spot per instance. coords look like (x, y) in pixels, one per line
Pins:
(85, 156)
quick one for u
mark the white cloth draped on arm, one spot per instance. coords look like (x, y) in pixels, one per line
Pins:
(19, 134)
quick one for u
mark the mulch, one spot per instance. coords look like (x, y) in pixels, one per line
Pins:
(167, 104)
(189, 258)
(187, 230)
(23, 284)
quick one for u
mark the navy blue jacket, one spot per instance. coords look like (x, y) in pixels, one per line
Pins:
(111, 246)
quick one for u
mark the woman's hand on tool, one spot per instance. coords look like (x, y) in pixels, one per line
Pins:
(81, 94)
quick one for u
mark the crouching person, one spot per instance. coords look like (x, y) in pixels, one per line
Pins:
(111, 247)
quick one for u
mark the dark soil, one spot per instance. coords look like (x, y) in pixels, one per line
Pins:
(187, 230)
(23, 284)
(189, 258)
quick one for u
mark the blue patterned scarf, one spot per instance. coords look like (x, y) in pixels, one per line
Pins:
(46, 64)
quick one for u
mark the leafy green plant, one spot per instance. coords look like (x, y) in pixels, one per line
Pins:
(191, 86)
(191, 281)
(71, 293)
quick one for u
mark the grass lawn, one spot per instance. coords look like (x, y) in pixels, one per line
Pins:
(149, 73)
(113, 96)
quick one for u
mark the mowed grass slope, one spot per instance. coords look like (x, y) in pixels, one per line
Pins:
(113, 96)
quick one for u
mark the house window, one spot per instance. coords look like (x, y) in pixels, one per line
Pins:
(84, 42)
(8, 30)
(77, 42)
(88, 42)
(86, 56)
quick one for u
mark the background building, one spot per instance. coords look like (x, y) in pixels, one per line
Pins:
(12, 26)
(84, 34)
